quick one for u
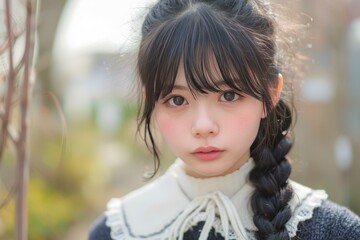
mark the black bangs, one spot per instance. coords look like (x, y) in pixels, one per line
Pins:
(216, 52)
(211, 48)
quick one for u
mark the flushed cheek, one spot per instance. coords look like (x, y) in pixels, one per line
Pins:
(247, 120)
(170, 128)
(242, 123)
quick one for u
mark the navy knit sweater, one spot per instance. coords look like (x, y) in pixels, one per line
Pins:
(329, 222)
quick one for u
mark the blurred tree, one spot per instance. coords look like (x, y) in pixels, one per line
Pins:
(17, 43)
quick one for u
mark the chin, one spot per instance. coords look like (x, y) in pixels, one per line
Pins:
(208, 173)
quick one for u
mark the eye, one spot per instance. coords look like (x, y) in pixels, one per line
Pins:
(177, 101)
(229, 96)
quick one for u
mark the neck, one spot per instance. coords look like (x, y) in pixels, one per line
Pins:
(196, 174)
(228, 184)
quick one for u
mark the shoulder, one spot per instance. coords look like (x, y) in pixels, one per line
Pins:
(330, 221)
(99, 230)
(137, 215)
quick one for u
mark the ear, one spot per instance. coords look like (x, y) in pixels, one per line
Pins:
(143, 92)
(275, 93)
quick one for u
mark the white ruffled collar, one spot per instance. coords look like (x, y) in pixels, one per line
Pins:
(169, 206)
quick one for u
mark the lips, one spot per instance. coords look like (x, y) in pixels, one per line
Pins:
(208, 153)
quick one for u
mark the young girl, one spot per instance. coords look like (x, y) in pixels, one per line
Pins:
(211, 77)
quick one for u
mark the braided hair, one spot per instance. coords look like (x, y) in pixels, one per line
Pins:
(241, 35)
(270, 177)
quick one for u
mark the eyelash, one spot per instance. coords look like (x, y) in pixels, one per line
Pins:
(237, 95)
(172, 97)
(167, 101)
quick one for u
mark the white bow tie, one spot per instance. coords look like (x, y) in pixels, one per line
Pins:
(212, 204)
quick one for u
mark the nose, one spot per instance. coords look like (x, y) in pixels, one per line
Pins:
(204, 124)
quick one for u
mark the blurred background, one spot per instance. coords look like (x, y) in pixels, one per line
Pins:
(83, 114)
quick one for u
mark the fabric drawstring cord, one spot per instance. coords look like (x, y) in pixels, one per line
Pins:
(211, 203)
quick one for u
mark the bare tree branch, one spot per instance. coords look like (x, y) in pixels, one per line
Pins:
(6, 44)
(18, 137)
(11, 81)
(62, 121)
(10, 195)
(23, 161)
(13, 135)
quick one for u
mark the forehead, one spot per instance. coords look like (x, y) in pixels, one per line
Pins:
(199, 78)
(211, 73)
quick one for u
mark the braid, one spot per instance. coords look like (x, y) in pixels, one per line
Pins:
(270, 178)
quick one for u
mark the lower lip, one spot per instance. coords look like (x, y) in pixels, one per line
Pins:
(208, 156)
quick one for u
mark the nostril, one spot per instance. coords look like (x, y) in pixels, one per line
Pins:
(204, 127)
(204, 133)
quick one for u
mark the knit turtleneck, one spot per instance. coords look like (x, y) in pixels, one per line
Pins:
(228, 184)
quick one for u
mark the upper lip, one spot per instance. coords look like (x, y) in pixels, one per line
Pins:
(207, 149)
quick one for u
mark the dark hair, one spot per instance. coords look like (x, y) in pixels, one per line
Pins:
(241, 35)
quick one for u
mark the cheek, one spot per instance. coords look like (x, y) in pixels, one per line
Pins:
(168, 126)
(244, 122)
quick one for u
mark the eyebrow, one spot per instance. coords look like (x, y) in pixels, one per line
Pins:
(181, 87)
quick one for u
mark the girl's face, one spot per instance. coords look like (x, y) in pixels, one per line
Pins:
(212, 133)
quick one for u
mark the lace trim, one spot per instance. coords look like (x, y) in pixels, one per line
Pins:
(304, 210)
(114, 219)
